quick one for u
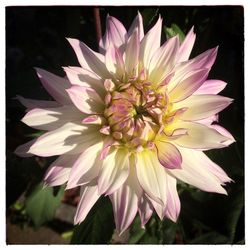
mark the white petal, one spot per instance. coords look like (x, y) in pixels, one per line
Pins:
(151, 175)
(145, 210)
(225, 133)
(137, 24)
(51, 118)
(195, 173)
(55, 86)
(89, 196)
(23, 150)
(114, 172)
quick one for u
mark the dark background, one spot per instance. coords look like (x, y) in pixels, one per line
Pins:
(35, 37)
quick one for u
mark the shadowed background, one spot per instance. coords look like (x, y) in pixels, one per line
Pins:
(35, 37)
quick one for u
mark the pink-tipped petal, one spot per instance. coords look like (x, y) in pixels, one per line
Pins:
(195, 172)
(187, 86)
(114, 172)
(173, 202)
(186, 46)
(89, 196)
(150, 43)
(86, 99)
(145, 209)
(55, 85)
(225, 133)
(137, 24)
(168, 155)
(89, 59)
(202, 106)
(211, 87)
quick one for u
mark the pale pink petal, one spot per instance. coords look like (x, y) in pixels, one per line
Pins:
(30, 103)
(188, 85)
(194, 173)
(150, 43)
(86, 99)
(163, 60)
(151, 175)
(70, 137)
(159, 208)
(51, 118)
(89, 59)
(168, 155)
(23, 150)
(131, 54)
(225, 133)
(58, 172)
(211, 87)
(209, 120)
(137, 24)
(125, 201)
(55, 86)
(89, 196)
(86, 166)
(186, 46)
(200, 136)
(173, 202)
(145, 210)
(202, 106)
(114, 172)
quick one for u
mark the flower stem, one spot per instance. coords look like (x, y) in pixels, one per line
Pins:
(98, 26)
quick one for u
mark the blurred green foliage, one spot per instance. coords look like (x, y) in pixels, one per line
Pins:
(35, 36)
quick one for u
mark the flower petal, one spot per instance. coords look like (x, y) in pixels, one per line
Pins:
(150, 43)
(86, 167)
(89, 59)
(114, 172)
(168, 155)
(86, 99)
(23, 150)
(125, 201)
(55, 86)
(58, 172)
(202, 106)
(51, 118)
(199, 136)
(145, 210)
(194, 173)
(211, 87)
(188, 85)
(151, 176)
(186, 46)
(225, 133)
(137, 24)
(69, 138)
(89, 196)
(163, 60)
(173, 202)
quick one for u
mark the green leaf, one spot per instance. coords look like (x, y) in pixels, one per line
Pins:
(173, 31)
(98, 226)
(211, 237)
(148, 16)
(169, 231)
(41, 205)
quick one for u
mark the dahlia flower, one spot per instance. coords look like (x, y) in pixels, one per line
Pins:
(133, 119)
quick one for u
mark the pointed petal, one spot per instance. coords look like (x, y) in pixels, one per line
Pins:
(188, 85)
(145, 210)
(89, 59)
(211, 87)
(131, 54)
(137, 24)
(163, 60)
(194, 173)
(186, 46)
(150, 43)
(114, 172)
(225, 133)
(58, 172)
(86, 167)
(168, 155)
(23, 150)
(202, 106)
(173, 202)
(55, 86)
(200, 136)
(86, 99)
(151, 175)
(89, 196)
(51, 118)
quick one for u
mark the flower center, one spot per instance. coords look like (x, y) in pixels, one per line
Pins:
(134, 113)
